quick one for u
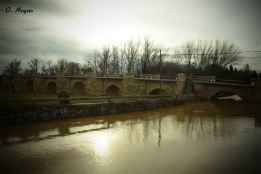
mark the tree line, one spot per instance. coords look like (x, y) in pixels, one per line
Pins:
(218, 58)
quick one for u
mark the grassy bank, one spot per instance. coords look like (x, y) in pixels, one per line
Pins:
(54, 100)
(21, 110)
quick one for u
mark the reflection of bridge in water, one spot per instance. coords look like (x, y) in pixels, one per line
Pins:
(154, 127)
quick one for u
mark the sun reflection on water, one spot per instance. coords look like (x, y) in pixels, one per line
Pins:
(102, 142)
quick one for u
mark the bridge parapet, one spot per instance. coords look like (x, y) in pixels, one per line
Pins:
(203, 78)
(156, 77)
(148, 76)
(109, 76)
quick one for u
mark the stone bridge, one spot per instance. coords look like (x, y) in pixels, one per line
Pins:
(210, 87)
(118, 85)
(111, 85)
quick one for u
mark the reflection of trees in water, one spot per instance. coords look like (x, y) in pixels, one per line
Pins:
(146, 130)
(135, 130)
(147, 127)
(202, 124)
(204, 127)
(25, 134)
(159, 132)
(188, 127)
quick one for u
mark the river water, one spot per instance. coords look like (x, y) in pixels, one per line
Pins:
(190, 138)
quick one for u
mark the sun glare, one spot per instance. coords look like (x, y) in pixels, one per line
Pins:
(102, 143)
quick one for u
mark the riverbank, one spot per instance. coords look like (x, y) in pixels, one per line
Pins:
(21, 113)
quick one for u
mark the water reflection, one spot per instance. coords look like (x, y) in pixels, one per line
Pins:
(102, 142)
(194, 124)
(192, 138)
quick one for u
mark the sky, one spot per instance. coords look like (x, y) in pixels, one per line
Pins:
(72, 29)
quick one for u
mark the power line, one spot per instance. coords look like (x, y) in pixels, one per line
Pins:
(218, 50)
(256, 51)
(212, 54)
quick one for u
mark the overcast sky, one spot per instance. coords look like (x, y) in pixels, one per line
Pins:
(71, 29)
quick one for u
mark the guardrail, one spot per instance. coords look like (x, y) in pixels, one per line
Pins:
(109, 76)
(213, 79)
(204, 79)
(233, 81)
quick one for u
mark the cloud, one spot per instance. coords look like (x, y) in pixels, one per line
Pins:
(38, 34)
(32, 29)
(60, 28)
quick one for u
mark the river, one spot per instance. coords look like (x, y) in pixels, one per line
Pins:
(196, 138)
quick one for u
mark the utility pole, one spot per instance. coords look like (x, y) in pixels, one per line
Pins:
(160, 61)
(160, 66)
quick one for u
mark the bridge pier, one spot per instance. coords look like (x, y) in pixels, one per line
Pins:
(180, 84)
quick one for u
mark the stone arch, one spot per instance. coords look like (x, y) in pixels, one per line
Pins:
(51, 88)
(78, 88)
(112, 90)
(157, 91)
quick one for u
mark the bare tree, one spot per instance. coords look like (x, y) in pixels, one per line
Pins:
(95, 61)
(48, 68)
(188, 53)
(206, 53)
(61, 66)
(225, 54)
(92, 62)
(161, 58)
(104, 60)
(34, 66)
(115, 62)
(13, 69)
(246, 68)
(146, 56)
(88, 66)
(150, 56)
(122, 60)
(73, 68)
(131, 51)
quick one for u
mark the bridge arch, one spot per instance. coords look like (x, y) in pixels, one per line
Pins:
(112, 90)
(78, 88)
(51, 88)
(157, 91)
